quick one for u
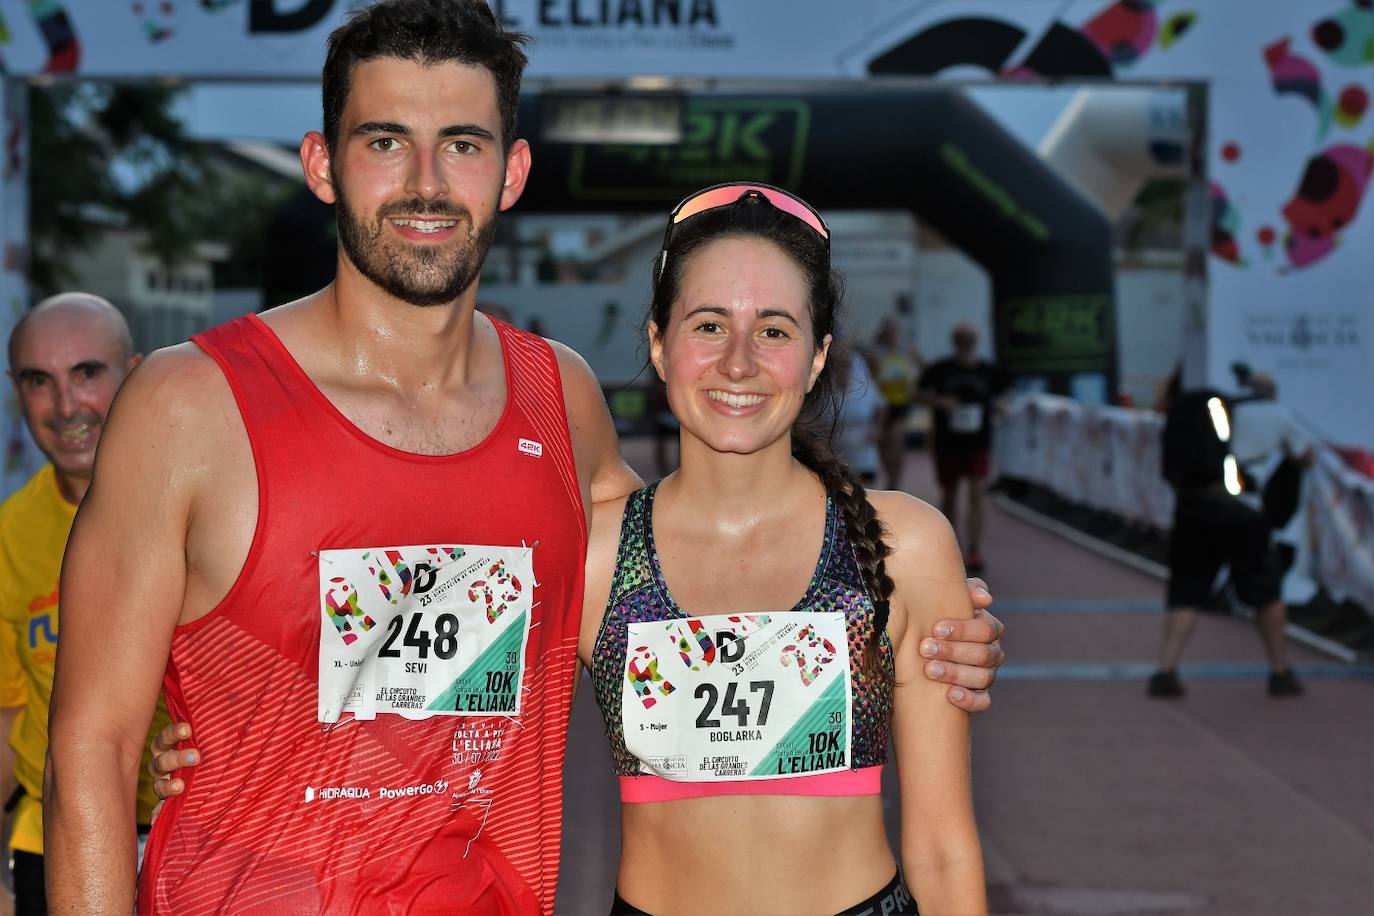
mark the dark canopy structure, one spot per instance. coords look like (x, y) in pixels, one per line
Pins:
(932, 151)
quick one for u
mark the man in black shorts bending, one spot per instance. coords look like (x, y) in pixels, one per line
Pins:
(1214, 527)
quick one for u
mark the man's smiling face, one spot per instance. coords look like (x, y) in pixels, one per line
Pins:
(419, 176)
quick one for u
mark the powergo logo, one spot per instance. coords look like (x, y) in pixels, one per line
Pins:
(438, 787)
(333, 793)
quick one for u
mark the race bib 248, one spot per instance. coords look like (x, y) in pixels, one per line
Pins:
(423, 631)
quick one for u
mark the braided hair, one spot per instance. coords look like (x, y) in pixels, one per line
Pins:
(754, 217)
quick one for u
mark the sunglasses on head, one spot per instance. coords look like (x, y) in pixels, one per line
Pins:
(723, 195)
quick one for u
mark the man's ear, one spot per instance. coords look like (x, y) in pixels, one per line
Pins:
(517, 173)
(315, 163)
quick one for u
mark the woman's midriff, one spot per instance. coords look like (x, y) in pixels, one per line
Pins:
(753, 854)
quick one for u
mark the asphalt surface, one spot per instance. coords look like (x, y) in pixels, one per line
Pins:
(1091, 797)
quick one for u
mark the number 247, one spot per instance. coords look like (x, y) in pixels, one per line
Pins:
(732, 706)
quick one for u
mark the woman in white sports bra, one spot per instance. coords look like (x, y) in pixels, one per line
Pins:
(751, 622)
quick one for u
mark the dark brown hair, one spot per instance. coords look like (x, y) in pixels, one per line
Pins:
(428, 32)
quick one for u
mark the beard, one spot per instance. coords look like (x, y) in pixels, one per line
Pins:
(420, 275)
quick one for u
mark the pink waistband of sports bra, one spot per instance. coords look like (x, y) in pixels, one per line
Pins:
(650, 788)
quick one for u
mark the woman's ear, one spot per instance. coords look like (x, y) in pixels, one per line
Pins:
(656, 351)
(818, 363)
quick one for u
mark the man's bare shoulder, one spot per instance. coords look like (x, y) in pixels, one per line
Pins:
(303, 316)
(181, 380)
(581, 390)
(178, 397)
(596, 448)
(573, 367)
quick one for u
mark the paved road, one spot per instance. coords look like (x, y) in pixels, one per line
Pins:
(1092, 798)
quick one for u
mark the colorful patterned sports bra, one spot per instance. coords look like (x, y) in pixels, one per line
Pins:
(751, 703)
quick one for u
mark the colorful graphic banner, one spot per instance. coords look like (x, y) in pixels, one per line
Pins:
(1290, 133)
(1339, 505)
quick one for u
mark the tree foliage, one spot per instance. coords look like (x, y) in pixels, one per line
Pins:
(102, 153)
(110, 154)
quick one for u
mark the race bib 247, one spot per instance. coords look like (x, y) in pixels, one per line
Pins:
(423, 631)
(753, 696)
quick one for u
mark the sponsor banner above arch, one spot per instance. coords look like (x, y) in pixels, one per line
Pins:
(1290, 122)
(1148, 39)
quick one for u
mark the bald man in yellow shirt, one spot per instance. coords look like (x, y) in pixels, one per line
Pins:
(68, 357)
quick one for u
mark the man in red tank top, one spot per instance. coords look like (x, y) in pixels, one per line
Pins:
(351, 532)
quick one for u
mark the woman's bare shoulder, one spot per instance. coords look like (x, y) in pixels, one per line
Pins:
(907, 520)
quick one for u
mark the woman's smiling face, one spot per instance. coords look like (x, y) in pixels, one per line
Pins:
(738, 353)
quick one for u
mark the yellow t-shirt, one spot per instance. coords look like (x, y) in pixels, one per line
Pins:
(897, 374)
(12, 692)
(34, 524)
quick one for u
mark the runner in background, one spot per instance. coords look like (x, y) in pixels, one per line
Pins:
(860, 414)
(964, 392)
(1217, 525)
(896, 366)
(747, 737)
(68, 356)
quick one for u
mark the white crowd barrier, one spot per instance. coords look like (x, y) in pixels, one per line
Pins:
(1108, 458)
(1339, 507)
(1105, 458)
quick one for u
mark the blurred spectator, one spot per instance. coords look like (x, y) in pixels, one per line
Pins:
(68, 356)
(859, 418)
(896, 366)
(1214, 527)
(1271, 448)
(1167, 390)
(964, 391)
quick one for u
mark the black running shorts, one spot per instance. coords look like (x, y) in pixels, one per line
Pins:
(893, 900)
(1213, 529)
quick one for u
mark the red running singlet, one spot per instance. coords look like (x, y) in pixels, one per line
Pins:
(414, 813)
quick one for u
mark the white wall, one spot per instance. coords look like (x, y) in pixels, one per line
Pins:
(577, 316)
(1149, 328)
(951, 288)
